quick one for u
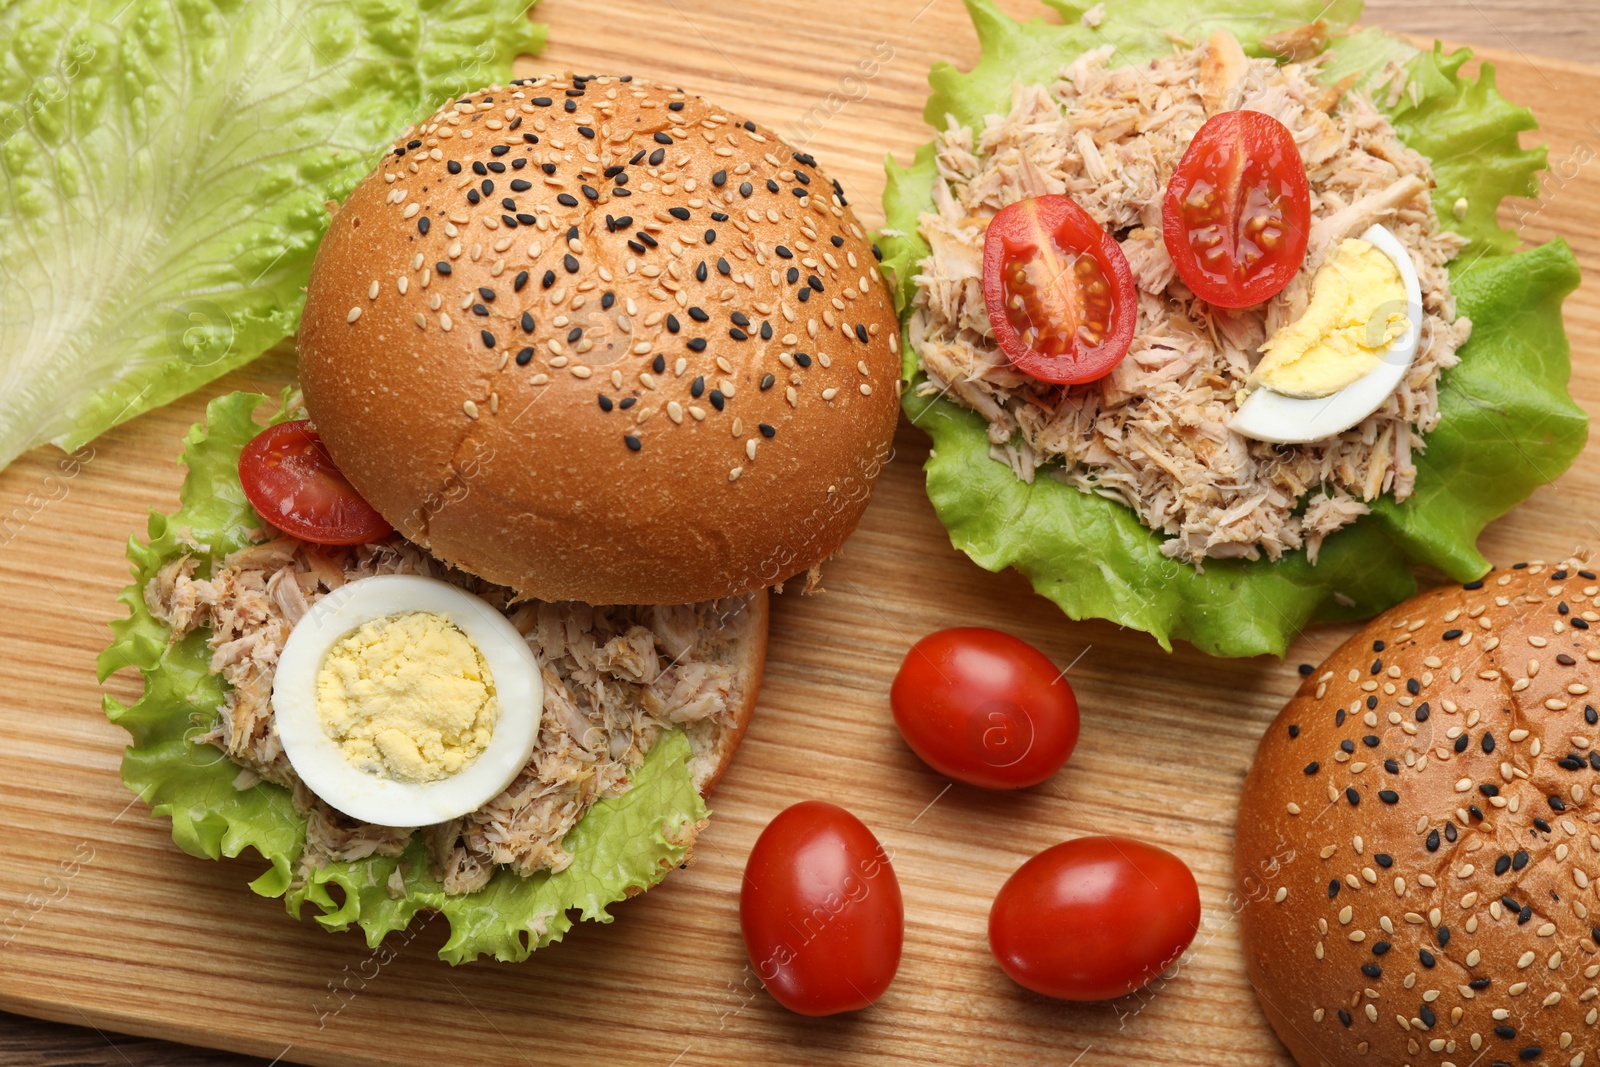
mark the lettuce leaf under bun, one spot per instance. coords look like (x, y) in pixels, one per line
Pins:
(622, 844)
(1508, 424)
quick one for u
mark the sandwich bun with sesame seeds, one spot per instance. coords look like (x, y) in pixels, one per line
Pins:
(1417, 857)
(596, 339)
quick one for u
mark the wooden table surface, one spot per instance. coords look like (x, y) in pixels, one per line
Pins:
(1529, 31)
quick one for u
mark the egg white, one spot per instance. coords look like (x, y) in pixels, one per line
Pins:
(317, 758)
(1287, 420)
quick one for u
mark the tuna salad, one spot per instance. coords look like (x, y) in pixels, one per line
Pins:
(1153, 433)
(614, 679)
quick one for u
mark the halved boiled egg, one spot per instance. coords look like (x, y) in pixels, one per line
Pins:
(1357, 319)
(404, 701)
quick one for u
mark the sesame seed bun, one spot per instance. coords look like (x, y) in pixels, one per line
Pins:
(1417, 852)
(596, 339)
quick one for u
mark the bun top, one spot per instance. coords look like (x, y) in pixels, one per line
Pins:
(596, 339)
(1418, 856)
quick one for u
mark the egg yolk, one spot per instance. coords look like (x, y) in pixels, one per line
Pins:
(407, 697)
(1357, 310)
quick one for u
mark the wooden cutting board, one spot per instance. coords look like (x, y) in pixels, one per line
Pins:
(104, 922)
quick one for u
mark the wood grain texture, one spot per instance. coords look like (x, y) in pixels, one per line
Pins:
(140, 938)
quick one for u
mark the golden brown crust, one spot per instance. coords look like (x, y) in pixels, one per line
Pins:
(732, 487)
(1418, 844)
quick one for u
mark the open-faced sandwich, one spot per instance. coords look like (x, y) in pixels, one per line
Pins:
(1210, 319)
(576, 343)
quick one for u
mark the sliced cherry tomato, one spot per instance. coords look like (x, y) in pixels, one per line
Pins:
(1238, 210)
(1094, 918)
(821, 911)
(291, 481)
(1058, 289)
(985, 708)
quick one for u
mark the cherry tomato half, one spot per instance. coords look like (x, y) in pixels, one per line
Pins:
(291, 481)
(1058, 289)
(821, 911)
(985, 708)
(1238, 210)
(1094, 918)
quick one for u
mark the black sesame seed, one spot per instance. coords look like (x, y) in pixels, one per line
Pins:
(520, 281)
(784, 252)
(1559, 575)
(698, 314)
(1520, 860)
(1333, 888)
(488, 338)
(548, 168)
(1474, 585)
(1422, 712)
(627, 403)
(479, 169)
(1450, 831)
(794, 275)
(1344, 1017)
(647, 239)
(1433, 841)
(1426, 957)
(1352, 796)
(1489, 789)
(1377, 666)
(1372, 702)
(632, 442)
(548, 280)
(745, 189)
(711, 237)
(570, 262)
(607, 299)
(662, 138)
(571, 105)
(541, 101)
(1488, 742)
(720, 178)
(1557, 804)
(516, 123)
(574, 335)
(1385, 861)
(717, 399)
(673, 325)
(567, 200)
(1506, 1032)
(1388, 796)
(605, 403)
(814, 282)
(700, 271)
(527, 322)
(1579, 624)
(454, 167)
(739, 318)
(1462, 742)
(1525, 914)
(499, 150)
(423, 225)
(767, 430)
(1371, 740)
(1502, 865)
(722, 266)
(679, 213)
(804, 359)
(767, 382)
(1413, 686)
(413, 144)
(676, 105)
(637, 156)
(861, 333)
(1425, 1013)
(802, 177)
(657, 156)
(1338, 717)
(1392, 766)
(1347, 746)
(442, 267)
(472, 196)
(586, 132)
(1474, 811)
(659, 364)
(479, 309)
(697, 387)
(1443, 936)
(1372, 970)
(530, 138)
(1532, 1052)
(772, 186)
(738, 334)
(519, 162)
(1313, 767)
(509, 221)
(1451, 635)
(719, 216)
(524, 357)
(590, 191)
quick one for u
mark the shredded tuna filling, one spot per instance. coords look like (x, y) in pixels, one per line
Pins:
(614, 678)
(1153, 434)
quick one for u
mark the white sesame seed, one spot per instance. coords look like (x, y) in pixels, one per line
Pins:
(470, 408)
(355, 313)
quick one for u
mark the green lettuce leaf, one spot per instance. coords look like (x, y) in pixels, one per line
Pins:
(163, 175)
(1508, 423)
(624, 843)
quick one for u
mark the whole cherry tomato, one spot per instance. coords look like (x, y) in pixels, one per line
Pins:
(821, 912)
(291, 481)
(1094, 918)
(1238, 210)
(1058, 289)
(985, 708)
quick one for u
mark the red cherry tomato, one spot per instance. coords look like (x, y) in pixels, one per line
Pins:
(985, 708)
(821, 911)
(1095, 918)
(292, 483)
(1058, 289)
(1238, 210)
